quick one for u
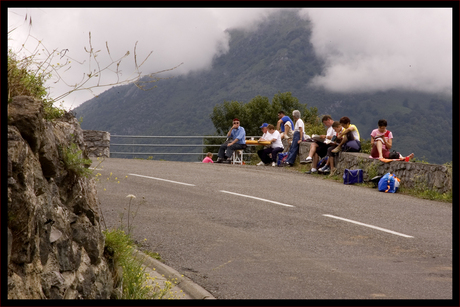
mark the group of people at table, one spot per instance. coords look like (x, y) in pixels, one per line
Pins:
(340, 136)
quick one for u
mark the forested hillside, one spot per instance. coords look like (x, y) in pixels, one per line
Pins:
(277, 57)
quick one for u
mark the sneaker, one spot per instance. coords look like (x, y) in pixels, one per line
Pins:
(273, 163)
(219, 160)
(260, 163)
(325, 169)
(307, 160)
(312, 171)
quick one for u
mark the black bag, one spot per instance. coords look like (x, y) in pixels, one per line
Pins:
(394, 155)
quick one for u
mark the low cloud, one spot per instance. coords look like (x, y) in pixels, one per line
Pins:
(364, 49)
(367, 50)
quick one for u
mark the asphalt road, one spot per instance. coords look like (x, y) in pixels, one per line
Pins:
(247, 232)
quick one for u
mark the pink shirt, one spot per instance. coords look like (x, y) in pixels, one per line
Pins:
(207, 160)
(388, 135)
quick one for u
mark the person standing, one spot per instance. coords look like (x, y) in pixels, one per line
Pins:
(236, 140)
(297, 138)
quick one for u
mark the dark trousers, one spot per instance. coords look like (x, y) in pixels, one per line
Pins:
(227, 151)
(264, 154)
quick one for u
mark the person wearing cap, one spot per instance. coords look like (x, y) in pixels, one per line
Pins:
(236, 140)
(268, 155)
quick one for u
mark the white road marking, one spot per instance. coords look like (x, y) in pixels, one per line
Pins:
(192, 185)
(367, 225)
(253, 197)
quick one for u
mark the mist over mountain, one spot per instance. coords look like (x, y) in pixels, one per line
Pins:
(275, 57)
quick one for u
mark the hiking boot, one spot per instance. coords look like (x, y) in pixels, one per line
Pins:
(337, 149)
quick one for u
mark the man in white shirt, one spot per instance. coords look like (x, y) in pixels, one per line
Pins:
(298, 137)
(268, 155)
(319, 149)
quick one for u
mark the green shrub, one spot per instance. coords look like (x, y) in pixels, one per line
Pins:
(74, 162)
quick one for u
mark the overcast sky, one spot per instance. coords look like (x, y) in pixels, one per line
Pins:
(364, 49)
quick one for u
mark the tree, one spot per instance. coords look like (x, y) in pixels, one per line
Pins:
(259, 110)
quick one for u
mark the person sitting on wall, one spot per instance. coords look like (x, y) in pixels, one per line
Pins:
(236, 140)
(319, 149)
(381, 140)
(350, 137)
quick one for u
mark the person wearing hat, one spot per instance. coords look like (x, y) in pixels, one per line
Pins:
(268, 155)
(236, 140)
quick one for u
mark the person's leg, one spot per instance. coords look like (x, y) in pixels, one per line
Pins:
(377, 150)
(222, 149)
(275, 153)
(260, 153)
(293, 149)
(313, 147)
(266, 155)
(231, 149)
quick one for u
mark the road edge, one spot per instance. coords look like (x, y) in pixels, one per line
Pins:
(184, 283)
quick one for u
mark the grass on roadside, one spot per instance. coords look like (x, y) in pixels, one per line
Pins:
(420, 190)
(136, 283)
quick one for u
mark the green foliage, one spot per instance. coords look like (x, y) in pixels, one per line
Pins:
(74, 162)
(366, 146)
(137, 284)
(259, 110)
(23, 79)
(276, 58)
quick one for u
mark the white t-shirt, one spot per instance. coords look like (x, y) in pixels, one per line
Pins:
(299, 123)
(330, 131)
(276, 135)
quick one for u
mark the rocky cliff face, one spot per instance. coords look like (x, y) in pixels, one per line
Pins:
(55, 243)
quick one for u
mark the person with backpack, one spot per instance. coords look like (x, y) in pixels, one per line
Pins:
(381, 141)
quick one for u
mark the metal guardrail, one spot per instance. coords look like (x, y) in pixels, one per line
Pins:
(167, 145)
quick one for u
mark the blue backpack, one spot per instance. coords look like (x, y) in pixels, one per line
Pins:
(389, 183)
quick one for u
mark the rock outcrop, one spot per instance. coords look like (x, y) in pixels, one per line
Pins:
(55, 240)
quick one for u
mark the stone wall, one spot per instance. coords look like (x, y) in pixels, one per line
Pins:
(55, 240)
(412, 174)
(97, 143)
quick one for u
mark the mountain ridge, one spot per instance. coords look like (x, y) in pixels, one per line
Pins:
(277, 57)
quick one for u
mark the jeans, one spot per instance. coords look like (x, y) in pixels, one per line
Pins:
(294, 148)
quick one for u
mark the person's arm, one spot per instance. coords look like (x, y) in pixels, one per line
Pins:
(301, 135)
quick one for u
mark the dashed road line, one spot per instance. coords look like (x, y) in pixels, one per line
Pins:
(367, 225)
(161, 179)
(257, 198)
